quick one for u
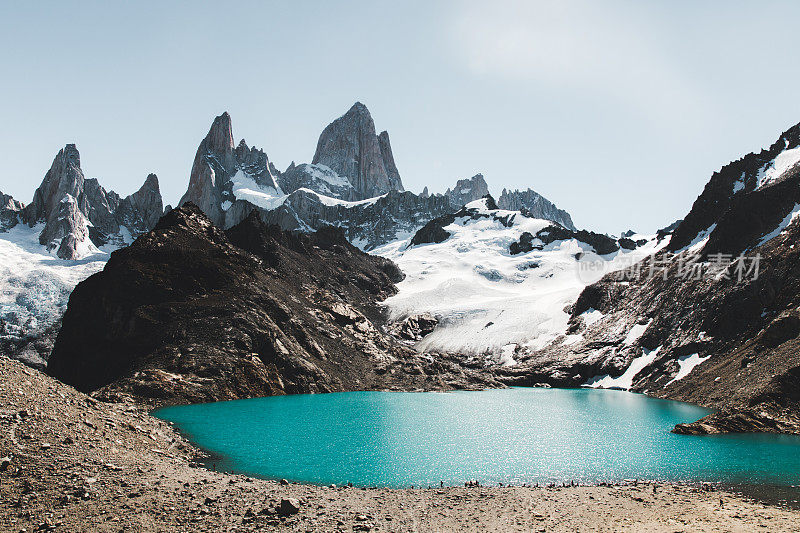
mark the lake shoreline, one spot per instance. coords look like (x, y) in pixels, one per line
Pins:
(76, 463)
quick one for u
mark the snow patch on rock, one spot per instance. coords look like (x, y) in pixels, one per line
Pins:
(788, 219)
(775, 169)
(245, 188)
(591, 315)
(635, 332)
(686, 364)
(625, 381)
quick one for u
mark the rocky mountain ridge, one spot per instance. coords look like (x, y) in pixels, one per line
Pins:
(352, 183)
(189, 313)
(534, 205)
(78, 214)
(712, 318)
(467, 190)
(736, 180)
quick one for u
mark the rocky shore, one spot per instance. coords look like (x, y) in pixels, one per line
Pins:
(72, 463)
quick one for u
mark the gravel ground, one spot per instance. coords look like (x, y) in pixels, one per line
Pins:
(71, 463)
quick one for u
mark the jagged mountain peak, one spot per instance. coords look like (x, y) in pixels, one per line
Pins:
(64, 177)
(220, 136)
(759, 171)
(220, 170)
(467, 190)
(150, 181)
(534, 205)
(358, 108)
(188, 216)
(350, 147)
(140, 211)
(388, 161)
(78, 214)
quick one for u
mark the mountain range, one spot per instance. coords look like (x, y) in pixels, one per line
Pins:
(457, 290)
(352, 182)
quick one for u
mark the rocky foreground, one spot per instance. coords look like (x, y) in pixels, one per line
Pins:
(72, 463)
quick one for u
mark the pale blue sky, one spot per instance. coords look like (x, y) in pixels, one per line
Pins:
(616, 111)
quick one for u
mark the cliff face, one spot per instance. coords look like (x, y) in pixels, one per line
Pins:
(350, 147)
(368, 224)
(10, 211)
(55, 203)
(192, 313)
(78, 214)
(736, 180)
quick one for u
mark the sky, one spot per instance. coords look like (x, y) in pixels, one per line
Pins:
(617, 111)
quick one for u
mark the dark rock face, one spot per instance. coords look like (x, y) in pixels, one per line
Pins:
(751, 216)
(467, 191)
(76, 211)
(524, 245)
(367, 224)
(602, 244)
(535, 206)
(784, 328)
(433, 232)
(668, 230)
(10, 212)
(350, 147)
(140, 211)
(414, 327)
(728, 185)
(191, 313)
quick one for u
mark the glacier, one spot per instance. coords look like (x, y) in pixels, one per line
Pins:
(484, 297)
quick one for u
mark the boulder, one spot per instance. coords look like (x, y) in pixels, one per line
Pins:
(289, 506)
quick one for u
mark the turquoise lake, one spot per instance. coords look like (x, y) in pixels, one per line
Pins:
(518, 435)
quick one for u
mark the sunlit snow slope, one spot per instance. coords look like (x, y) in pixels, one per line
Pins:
(35, 285)
(484, 297)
